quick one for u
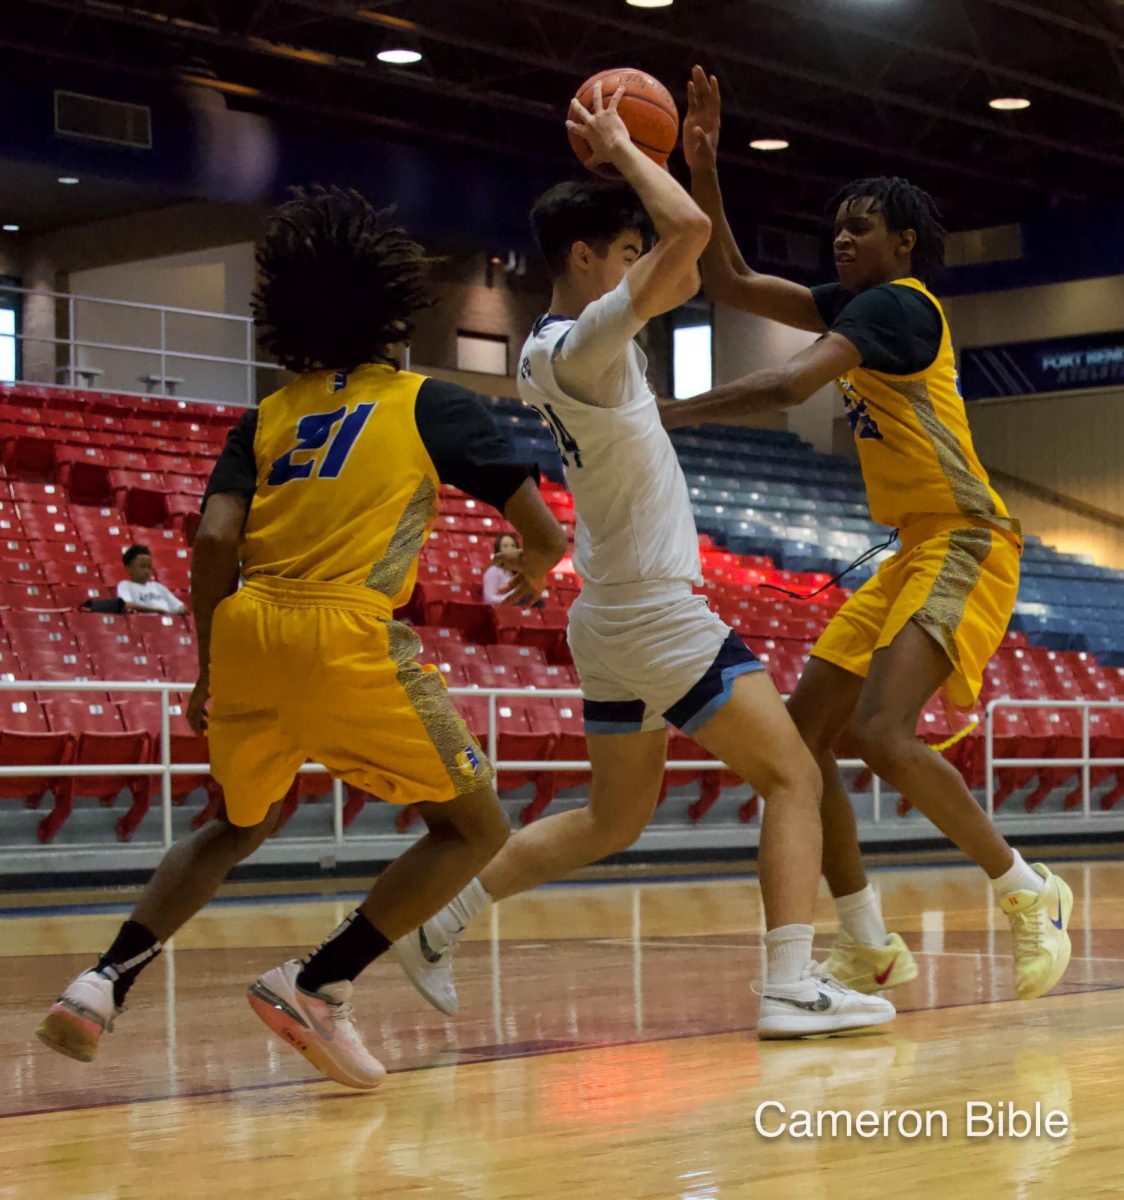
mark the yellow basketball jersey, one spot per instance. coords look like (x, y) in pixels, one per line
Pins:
(914, 442)
(346, 490)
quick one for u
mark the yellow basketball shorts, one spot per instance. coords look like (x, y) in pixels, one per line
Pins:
(957, 581)
(303, 671)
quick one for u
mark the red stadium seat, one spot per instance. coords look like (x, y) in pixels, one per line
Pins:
(515, 656)
(101, 738)
(140, 495)
(26, 740)
(26, 595)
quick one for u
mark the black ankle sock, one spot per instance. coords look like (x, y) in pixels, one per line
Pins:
(133, 949)
(350, 949)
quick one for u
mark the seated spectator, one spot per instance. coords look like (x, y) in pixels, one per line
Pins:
(140, 592)
(497, 578)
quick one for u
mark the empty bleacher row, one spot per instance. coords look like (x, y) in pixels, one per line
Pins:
(69, 506)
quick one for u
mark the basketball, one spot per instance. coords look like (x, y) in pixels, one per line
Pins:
(646, 108)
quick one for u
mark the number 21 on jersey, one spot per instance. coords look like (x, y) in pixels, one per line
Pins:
(328, 447)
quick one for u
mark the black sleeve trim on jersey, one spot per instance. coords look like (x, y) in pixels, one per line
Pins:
(831, 299)
(467, 447)
(896, 329)
(236, 472)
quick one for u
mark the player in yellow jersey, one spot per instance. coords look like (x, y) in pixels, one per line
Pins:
(321, 500)
(934, 613)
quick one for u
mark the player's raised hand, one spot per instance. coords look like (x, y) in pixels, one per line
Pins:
(603, 128)
(704, 118)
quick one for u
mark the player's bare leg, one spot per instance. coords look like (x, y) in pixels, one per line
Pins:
(628, 773)
(627, 777)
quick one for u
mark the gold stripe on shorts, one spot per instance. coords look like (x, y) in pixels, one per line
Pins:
(944, 606)
(429, 697)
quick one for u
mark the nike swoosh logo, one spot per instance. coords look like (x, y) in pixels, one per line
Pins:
(880, 977)
(821, 1003)
(1057, 921)
(428, 953)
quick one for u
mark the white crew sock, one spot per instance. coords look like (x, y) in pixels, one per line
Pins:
(443, 929)
(1019, 878)
(860, 914)
(788, 950)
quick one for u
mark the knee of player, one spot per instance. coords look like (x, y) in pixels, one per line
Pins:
(799, 776)
(243, 840)
(879, 737)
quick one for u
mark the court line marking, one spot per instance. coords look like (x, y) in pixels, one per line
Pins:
(583, 1048)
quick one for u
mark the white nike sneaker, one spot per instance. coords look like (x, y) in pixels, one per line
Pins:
(816, 1006)
(318, 1024)
(867, 968)
(77, 1019)
(1040, 927)
(430, 971)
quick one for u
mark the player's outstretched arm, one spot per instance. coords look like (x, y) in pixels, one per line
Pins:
(667, 275)
(726, 276)
(214, 576)
(743, 400)
(544, 543)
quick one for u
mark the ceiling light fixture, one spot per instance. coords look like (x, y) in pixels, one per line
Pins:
(769, 144)
(399, 56)
(650, 3)
(1009, 103)
(68, 180)
(10, 228)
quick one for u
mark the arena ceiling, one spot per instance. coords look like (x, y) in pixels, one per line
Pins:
(856, 86)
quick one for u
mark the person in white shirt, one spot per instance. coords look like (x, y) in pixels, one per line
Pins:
(497, 578)
(649, 652)
(140, 592)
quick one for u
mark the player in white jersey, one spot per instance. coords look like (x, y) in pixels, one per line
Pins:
(649, 652)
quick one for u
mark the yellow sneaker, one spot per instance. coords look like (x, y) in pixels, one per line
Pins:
(1040, 927)
(866, 968)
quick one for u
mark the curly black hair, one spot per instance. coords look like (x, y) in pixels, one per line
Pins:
(904, 206)
(585, 211)
(338, 283)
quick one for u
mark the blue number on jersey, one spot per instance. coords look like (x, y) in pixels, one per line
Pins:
(567, 447)
(312, 434)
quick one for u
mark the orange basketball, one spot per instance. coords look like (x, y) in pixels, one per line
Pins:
(646, 108)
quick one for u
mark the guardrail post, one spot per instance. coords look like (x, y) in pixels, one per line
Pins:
(166, 762)
(1086, 766)
(493, 730)
(163, 353)
(989, 758)
(72, 349)
(337, 811)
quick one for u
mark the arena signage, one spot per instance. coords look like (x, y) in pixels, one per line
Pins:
(1060, 364)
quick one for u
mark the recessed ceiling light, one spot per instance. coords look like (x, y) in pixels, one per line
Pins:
(651, 3)
(769, 144)
(68, 179)
(11, 228)
(400, 57)
(1009, 103)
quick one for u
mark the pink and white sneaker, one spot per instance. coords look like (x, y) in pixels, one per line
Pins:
(79, 1017)
(318, 1024)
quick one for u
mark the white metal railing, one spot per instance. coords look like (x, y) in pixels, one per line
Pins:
(163, 352)
(1085, 763)
(165, 769)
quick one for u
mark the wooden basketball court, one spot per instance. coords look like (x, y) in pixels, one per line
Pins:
(604, 1051)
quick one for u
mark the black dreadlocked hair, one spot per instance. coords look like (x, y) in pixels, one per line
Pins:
(904, 206)
(585, 211)
(338, 283)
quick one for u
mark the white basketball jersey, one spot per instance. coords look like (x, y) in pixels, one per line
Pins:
(634, 517)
